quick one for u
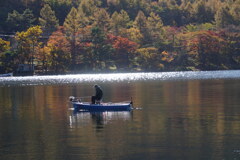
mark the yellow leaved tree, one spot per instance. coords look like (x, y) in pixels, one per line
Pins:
(27, 42)
(4, 45)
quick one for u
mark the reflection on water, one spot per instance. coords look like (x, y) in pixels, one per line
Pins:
(117, 77)
(98, 118)
(180, 119)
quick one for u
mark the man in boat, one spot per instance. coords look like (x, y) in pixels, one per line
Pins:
(98, 96)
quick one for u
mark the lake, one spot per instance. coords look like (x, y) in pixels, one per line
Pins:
(177, 115)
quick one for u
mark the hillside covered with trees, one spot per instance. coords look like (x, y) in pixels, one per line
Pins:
(74, 36)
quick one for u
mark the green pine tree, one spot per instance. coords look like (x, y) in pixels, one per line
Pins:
(20, 22)
(72, 25)
(102, 20)
(141, 23)
(48, 20)
(89, 8)
(154, 26)
(203, 14)
(223, 17)
(120, 21)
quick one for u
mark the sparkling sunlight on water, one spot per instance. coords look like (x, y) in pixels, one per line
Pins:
(117, 77)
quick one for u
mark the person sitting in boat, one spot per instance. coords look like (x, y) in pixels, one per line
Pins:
(98, 96)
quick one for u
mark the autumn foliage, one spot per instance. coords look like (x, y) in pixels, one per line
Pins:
(123, 35)
(122, 45)
(4, 45)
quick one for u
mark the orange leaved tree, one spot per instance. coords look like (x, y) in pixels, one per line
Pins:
(124, 50)
(59, 51)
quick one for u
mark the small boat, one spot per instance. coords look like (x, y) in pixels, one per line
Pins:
(6, 75)
(86, 106)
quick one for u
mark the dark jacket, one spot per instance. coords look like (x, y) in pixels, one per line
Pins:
(99, 93)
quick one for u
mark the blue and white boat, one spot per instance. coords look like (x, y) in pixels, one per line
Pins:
(86, 106)
(78, 105)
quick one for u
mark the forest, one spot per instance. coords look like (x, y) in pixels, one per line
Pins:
(79, 36)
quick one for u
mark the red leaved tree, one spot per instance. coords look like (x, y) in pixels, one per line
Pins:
(124, 50)
(205, 47)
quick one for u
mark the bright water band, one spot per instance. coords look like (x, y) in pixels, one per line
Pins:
(118, 77)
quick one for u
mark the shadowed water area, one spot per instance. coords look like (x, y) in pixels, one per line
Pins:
(179, 115)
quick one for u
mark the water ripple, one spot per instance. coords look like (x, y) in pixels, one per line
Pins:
(118, 77)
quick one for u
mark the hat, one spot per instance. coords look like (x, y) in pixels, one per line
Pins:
(96, 86)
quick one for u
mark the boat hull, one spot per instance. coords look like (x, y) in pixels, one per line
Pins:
(6, 75)
(78, 106)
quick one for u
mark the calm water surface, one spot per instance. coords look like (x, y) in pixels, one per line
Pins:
(182, 115)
